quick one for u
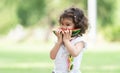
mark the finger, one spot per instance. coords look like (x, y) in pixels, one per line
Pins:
(59, 31)
(67, 31)
(63, 32)
(70, 32)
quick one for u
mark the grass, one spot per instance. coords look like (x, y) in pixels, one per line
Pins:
(34, 58)
(101, 62)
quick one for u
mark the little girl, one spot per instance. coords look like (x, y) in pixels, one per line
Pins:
(68, 50)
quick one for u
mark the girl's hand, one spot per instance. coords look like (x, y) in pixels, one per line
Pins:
(67, 35)
(58, 33)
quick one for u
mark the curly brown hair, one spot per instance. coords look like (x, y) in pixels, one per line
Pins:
(78, 17)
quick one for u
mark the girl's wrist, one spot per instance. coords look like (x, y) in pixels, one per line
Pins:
(66, 41)
(59, 42)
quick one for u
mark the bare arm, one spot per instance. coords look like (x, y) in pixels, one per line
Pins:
(74, 50)
(54, 50)
(56, 47)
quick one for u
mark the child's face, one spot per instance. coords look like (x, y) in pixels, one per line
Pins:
(67, 23)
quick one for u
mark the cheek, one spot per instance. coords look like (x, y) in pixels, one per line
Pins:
(71, 27)
(63, 27)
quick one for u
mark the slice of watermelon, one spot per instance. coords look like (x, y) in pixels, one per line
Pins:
(74, 31)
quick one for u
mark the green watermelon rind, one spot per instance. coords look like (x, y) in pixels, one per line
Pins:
(74, 32)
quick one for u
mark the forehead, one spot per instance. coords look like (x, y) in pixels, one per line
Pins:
(67, 19)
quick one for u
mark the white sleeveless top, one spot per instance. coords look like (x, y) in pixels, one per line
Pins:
(62, 56)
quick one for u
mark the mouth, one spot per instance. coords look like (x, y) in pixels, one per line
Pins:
(75, 32)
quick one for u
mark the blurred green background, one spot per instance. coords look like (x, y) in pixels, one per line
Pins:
(26, 35)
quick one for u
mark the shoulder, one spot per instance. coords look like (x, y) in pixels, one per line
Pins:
(78, 39)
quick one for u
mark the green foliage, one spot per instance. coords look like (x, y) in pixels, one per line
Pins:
(5, 27)
(25, 12)
(8, 19)
(108, 19)
(56, 7)
(30, 11)
(105, 12)
(112, 33)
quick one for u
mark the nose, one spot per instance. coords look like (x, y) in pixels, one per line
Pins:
(64, 27)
